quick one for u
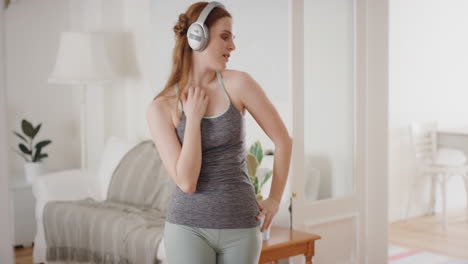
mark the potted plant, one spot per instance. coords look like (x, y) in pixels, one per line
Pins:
(258, 176)
(31, 153)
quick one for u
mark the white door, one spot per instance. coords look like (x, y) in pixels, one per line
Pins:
(339, 100)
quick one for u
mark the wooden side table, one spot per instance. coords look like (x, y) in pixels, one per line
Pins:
(284, 243)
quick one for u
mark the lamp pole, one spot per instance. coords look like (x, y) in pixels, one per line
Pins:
(83, 130)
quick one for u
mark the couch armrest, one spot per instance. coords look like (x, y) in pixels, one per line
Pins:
(61, 185)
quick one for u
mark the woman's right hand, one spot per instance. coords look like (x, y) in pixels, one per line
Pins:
(194, 102)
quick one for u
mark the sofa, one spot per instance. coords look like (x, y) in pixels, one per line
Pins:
(115, 215)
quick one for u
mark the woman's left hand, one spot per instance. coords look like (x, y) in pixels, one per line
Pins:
(269, 208)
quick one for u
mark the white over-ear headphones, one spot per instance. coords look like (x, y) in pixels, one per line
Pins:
(198, 33)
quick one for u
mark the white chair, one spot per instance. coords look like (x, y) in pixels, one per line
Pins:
(440, 164)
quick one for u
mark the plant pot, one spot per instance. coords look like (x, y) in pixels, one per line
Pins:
(266, 233)
(32, 170)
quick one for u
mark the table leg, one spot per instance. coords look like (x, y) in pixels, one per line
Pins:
(310, 252)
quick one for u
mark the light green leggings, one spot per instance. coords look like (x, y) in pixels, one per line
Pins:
(185, 244)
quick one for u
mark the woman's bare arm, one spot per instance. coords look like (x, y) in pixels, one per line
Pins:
(182, 162)
(263, 111)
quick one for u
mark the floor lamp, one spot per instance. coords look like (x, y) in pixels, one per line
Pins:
(82, 60)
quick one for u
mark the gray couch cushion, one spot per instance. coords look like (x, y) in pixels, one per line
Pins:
(102, 232)
(141, 179)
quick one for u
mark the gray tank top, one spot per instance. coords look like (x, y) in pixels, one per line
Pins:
(224, 197)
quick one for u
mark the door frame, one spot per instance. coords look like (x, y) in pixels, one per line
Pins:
(366, 207)
(6, 245)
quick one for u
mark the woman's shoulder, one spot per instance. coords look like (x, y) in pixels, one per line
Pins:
(162, 106)
(236, 76)
(238, 81)
(239, 85)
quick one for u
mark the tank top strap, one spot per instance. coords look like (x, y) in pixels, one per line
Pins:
(220, 81)
(176, 88)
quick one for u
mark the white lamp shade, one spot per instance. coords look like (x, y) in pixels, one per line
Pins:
(81, 59)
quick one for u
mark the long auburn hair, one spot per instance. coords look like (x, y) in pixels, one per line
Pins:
(182, 53)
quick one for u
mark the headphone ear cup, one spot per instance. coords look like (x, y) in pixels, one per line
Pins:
(196, 36)
(206, 37)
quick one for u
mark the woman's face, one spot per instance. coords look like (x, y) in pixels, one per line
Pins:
(220, 45)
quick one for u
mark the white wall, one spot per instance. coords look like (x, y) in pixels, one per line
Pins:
(31, 42)
(6, 249)
(32, 38)
(428, 81)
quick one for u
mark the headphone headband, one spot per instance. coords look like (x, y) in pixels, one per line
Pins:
(206, 11)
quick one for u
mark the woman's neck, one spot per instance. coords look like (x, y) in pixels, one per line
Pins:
(201, 76)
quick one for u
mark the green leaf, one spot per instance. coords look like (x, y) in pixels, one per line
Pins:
(21, 136)
(266, 178)
(27, 127)
(257, 150)
(253, 148)
(36, 130)
(36, 155)
(252, 165)
(259, 197)
(255, 184)
(40, 157)
(42, 144)
(24, 149)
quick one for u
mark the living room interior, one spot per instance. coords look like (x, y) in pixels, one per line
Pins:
(383, 213)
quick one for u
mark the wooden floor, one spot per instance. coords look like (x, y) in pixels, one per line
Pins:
(24, 255)
(427, 233)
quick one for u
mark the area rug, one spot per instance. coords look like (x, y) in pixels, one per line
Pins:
(399, 255)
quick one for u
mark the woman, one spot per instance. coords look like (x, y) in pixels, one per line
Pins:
(197, 125)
